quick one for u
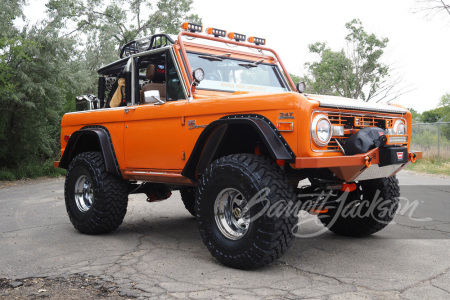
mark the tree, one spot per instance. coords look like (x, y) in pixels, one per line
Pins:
(43, 67)
(445, 101)
(107, 25)
(433, 115)
(356, 72)
(120, 21)
(445, 105)
(296, 79)
(332, 74)
(9, 10)
(39, 72)
(416, 116)
(433, 7)
(440, 113)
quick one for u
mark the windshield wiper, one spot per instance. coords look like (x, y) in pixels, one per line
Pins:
(214, 57)
(251, 65)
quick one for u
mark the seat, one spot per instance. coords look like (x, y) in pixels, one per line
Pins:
(156, 74)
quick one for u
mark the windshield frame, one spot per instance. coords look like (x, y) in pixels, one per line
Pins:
(179, 44)
(276, 72)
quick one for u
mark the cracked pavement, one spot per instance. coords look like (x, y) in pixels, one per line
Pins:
(158, 253)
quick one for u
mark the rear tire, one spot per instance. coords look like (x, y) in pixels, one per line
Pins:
(236, 226)
(367, 210)
(188, 198)
(96, 201)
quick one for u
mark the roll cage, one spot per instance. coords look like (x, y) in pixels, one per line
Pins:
(132, 52)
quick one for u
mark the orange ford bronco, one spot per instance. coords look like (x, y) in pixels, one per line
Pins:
(217, 117)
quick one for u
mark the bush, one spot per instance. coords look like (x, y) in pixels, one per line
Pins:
(7, 175)
(32, 170)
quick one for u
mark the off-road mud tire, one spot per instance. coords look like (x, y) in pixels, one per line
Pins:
(268, 236)
(110, 196)
(188, 198)
(369, 219)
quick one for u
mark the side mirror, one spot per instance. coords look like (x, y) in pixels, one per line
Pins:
(152, 96)
(301, 87)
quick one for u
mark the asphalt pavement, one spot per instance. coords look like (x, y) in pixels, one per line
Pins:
(158, 252)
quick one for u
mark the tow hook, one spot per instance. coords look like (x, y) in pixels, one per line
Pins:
(368, 161)
(412, 157)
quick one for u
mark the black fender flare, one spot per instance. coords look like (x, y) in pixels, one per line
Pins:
(211, 136)
(76, 145)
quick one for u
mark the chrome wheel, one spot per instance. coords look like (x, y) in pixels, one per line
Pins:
(84, 194)
(231, 213)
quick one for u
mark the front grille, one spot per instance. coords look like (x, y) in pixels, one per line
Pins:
(358, 122)
(352, 123)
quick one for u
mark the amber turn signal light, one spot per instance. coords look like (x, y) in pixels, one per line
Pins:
(285, 126)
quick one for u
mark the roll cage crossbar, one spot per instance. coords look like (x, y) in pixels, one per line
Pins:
(145, 44)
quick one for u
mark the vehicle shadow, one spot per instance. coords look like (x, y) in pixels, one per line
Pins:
(181, 233)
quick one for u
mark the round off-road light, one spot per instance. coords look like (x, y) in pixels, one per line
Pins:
(321, 130)
(399, 127)
(301, 87)
(198, 74)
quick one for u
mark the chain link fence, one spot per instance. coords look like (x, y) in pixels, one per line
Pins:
(433, 139)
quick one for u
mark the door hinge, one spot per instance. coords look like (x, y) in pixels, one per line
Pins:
(182, 120)
(183, 156)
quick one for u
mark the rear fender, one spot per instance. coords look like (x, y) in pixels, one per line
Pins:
(91, 138)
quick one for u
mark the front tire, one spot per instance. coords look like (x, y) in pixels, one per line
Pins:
(242, 208)
(96, 201)
(368, 209)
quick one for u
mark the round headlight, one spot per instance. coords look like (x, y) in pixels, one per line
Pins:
(321, 130)
(399, 127)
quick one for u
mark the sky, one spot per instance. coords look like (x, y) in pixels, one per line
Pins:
(418, 48)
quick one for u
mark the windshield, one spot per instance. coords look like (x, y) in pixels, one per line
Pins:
(224, 73)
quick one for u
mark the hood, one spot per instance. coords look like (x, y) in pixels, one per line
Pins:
(346, 103)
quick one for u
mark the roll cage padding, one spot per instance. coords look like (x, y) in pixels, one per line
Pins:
(209, 141)
(92, 138)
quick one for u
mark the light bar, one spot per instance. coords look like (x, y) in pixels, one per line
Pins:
(192, 27)
(237, 37)
(396, 139)
(216, 32)
(256, 40)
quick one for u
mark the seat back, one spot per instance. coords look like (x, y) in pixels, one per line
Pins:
(157, 76)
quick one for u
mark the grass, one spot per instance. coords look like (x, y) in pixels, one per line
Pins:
(431, 151)
(431, 166)
(31, 171)
(430, 163)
